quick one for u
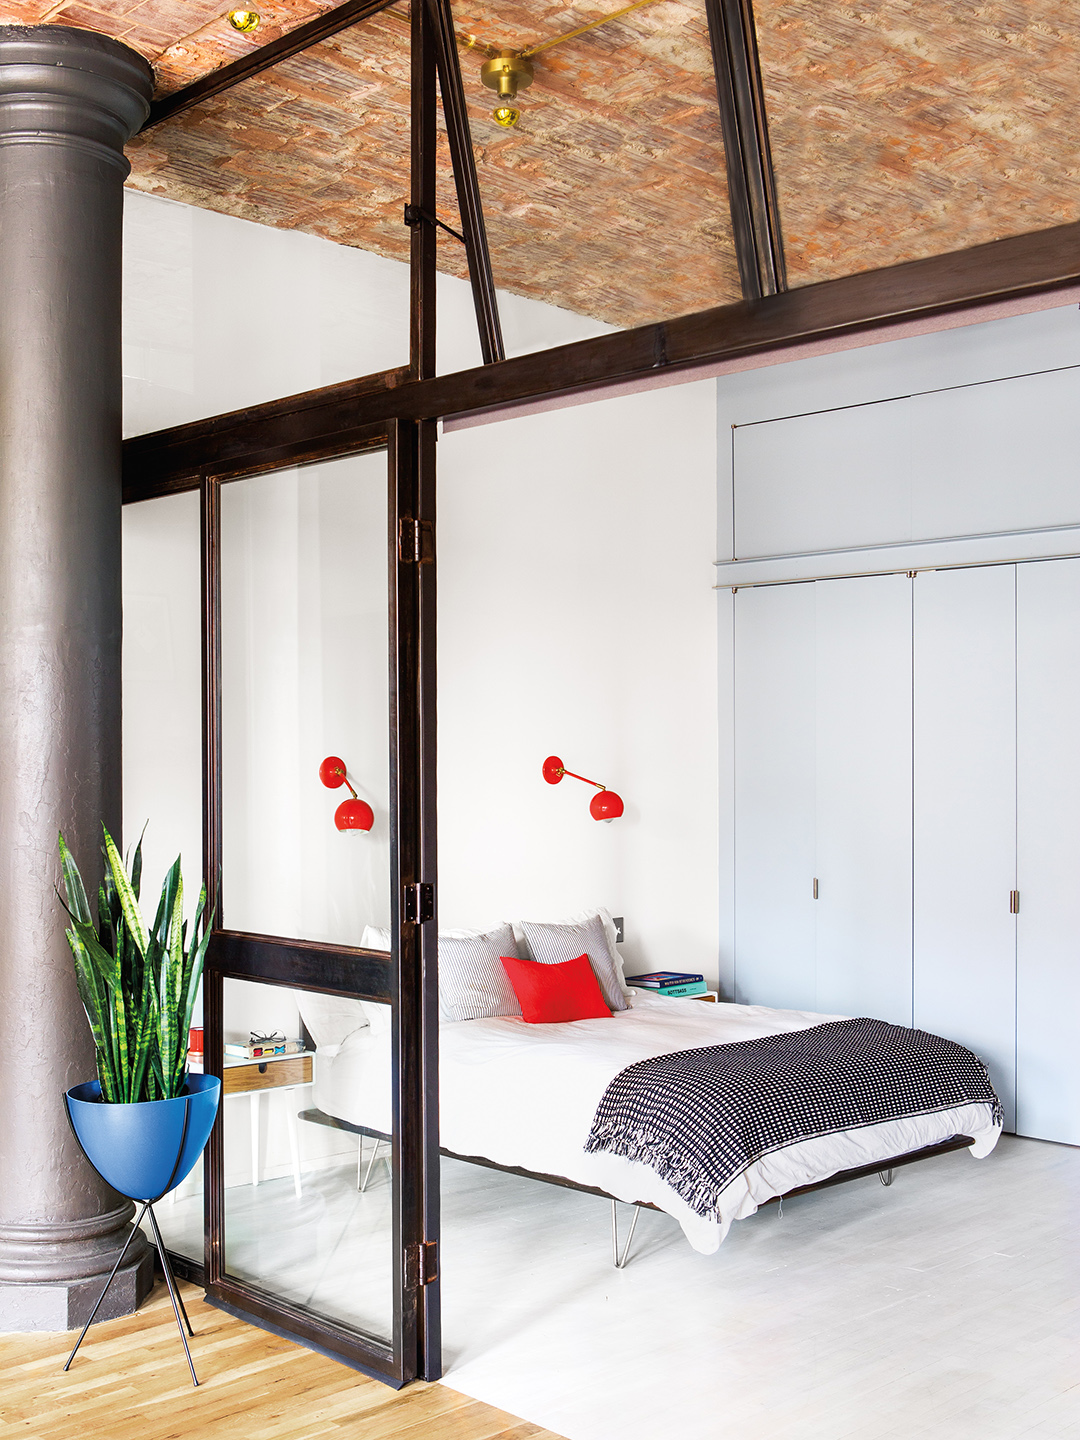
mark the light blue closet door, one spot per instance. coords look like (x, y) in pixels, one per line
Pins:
(863, 828)
(1048, 845)
(775, 769)
(965, 813)
(823, 794)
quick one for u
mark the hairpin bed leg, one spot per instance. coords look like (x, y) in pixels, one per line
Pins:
(370, 1164)
(617, 1261)
(885, 1176)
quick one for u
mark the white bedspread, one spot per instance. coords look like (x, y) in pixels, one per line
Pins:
(525, 1095)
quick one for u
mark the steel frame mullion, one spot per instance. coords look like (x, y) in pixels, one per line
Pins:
(466, 182)
(755, 212)
(422, 188)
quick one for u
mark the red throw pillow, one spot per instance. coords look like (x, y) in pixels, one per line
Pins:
(549, 993)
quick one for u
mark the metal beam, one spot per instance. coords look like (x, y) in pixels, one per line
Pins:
(302, 38)
(755, 213)
(466, 182)
(333, 420)
(423, 239)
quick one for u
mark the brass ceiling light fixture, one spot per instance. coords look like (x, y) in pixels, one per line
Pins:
(506, 71)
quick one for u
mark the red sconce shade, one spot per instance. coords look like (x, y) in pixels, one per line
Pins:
(354, 814)
(604, 805)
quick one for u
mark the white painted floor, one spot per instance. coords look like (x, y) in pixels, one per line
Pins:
(943, 1308)
(946, 1307)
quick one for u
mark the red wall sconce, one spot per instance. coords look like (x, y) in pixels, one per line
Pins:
(354, 814)
(604, 805)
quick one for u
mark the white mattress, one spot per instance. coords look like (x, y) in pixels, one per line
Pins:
(525, 1095)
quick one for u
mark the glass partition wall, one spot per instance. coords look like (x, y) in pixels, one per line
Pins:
(319, 1210)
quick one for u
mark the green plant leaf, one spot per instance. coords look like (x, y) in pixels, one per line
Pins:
(128, 902)
(77, 906)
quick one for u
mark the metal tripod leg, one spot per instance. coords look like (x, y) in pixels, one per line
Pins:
(619, 1263)
(112, 1277)
(178, 1304)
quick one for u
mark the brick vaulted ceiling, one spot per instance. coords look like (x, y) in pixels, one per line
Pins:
(900, 128)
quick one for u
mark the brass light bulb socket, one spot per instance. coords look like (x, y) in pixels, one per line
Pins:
(243, 20)
(507, 73)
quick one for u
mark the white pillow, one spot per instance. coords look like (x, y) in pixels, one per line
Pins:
(377, 1012)
(330, 1018)
(473, 984)
(554, 944)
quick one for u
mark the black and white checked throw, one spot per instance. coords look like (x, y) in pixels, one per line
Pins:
(699, 1118)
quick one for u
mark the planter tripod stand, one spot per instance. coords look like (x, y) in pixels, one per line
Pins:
(141, 1150)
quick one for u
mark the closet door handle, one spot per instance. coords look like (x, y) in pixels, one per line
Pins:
(1014, 902)
(815, 888)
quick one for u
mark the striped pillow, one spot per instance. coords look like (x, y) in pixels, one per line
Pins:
(555, 944)
(472, 982)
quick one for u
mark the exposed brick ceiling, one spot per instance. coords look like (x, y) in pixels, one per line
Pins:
(903, 128)
(900, 128)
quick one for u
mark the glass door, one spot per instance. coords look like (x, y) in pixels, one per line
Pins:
(319, 996)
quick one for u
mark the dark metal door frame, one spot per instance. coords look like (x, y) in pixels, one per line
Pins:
(409, 978)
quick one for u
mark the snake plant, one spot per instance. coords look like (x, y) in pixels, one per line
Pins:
(137, 983)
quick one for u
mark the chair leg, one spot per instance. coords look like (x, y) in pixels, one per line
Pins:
(174, 1294)
(112, 1277)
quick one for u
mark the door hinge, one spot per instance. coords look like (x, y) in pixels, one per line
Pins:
(419, 903)
(429, 1261)
(1014, 902)
(416, 541)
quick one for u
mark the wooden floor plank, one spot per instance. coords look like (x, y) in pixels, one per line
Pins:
(131, 1373)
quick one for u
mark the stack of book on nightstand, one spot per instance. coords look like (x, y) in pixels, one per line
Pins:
(263, 1047)
(669, 982)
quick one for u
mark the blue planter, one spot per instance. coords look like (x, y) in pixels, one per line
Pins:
(144, 1150)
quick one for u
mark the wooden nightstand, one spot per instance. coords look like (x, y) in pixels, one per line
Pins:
(253, 1078)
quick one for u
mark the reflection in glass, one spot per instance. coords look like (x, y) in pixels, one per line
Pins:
(910, 128)
(617, 156)
(308, 1197)
(305, 668)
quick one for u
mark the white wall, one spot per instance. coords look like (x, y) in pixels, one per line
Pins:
(576, 618)
(162, 676)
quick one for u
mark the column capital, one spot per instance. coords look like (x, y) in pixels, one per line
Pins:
(69, 86)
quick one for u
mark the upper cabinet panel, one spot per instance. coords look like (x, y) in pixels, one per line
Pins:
(832, 480)
(974, 460)
(1002, 456)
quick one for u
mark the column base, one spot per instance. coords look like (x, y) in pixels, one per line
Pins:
(66, 1304)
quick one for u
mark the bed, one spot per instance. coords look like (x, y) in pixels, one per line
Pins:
(525, 1097)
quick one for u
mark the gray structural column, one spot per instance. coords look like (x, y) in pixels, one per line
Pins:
(69, 101)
